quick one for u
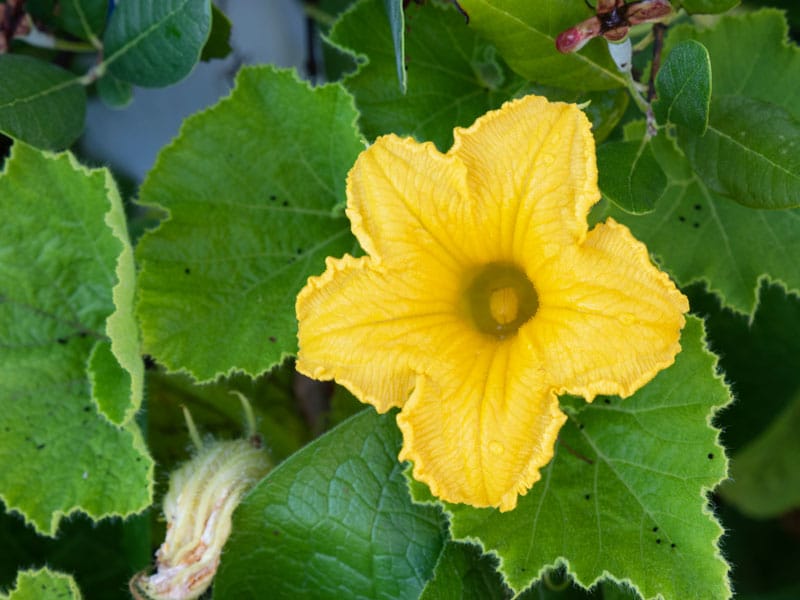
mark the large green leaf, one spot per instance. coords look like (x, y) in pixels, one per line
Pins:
(751, 152)
(701, 236)
(525, 33)
(65, 289)
(625, 494)
(765, 481)
(154, 43)
(684, 87)
(43, 584)
(250, 186)
(706, 6)
(40, 103)
(334, 521)
(453, 76)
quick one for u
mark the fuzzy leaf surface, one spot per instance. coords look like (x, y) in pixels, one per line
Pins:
(699, 235)
(250, 186)
(155, 43)
(43, 584)
(40, 103)
(525, 33)
(334, 521)
(625, 494)
(684, 87)
(397, 26)
(65, 288)
(751, 153)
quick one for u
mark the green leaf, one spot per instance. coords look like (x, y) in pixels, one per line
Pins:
(394, 12)
(334, 521)
(155, 43)
(625, 494)
(64, 289)
(40, 103)
(218, 44)
(44, 584)
(463, 573)
(707, 6)
(684, 87)
(85, 19)
(525, 33)
(750, 56)
(751, 153)
(250, 186)
(701, 236)
(765, 481)
(453, 76)
(630, 176)
(114, 92)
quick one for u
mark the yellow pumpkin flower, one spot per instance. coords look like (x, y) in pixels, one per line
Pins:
(484, 295)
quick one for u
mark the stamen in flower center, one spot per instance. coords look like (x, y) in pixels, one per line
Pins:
(500, 298)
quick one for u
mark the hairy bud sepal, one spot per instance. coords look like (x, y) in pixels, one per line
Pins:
(198, 508)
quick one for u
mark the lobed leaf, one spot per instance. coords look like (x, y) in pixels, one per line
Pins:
(751, 153)
(625, 494)
(630, 176)
(250, 186)
(334, 521)
(43, 584)
(683, 85)
(155, 43)
(40, 104)
(525, 33)
(66, 289)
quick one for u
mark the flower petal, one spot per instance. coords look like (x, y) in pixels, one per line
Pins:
(366, 327)
(532, 174)
(479, 433)
(608, 319)
(403, 200)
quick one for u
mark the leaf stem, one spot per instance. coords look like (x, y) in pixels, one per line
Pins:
(38, 38)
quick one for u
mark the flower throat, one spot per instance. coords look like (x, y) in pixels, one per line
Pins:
(500, 298)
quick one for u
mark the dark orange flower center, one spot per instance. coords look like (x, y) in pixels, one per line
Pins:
(499, 299)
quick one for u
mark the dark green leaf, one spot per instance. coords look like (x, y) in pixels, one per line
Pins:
(624, 495)
(394, 11)
(525, 32)
(250, 185)
(154, 43)
(114, 92)
(85, 19)
(751, 152)
(765, 480)
(218, 44)
(40, 104)
(334, 521)
(684, 87)
(630, 176)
